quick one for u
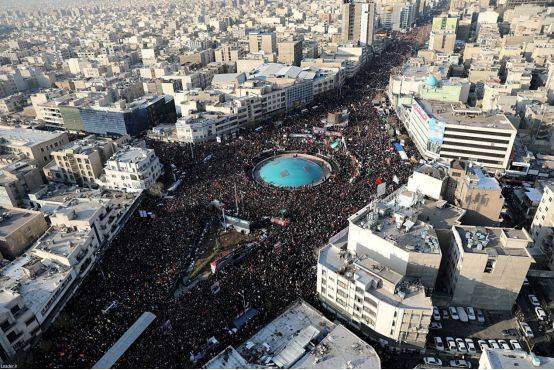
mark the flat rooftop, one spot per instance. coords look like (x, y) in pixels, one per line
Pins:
(459, 114)
(32, 277)
(18, 136)
(301, 337)
(130, 154)
(61, 241)
(12, 219)
(408, 220)
(487, 240)
(508, 359)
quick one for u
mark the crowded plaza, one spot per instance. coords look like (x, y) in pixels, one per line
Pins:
(146, 267)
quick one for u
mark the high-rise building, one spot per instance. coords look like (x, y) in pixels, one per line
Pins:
(290, 52)
(262, 42)
(358, 21)
(542, 227)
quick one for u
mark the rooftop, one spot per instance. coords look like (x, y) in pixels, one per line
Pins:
(301, 337)
(61, 241)
(12, 219)
(408, 220)
(32, 277)
(459, 114)
(18, 136)
(508, 359)
(131, 154)
(494, 241)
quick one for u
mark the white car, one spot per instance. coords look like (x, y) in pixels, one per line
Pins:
(451, 343)
(515, 345)
(453, 313)
(460, 363)
(503, 344)
(436, 314)
(526, 330)
(525, 282)
(471, 313)
(432, 361)
(439, 345)
(483, 344)
(480, 316)
(540, 313)
(534, 300)
(470, 346)
(493, 344)
(461, 345)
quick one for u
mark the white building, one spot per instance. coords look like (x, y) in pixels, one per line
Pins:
(542, 227)
(443, 130)
(510, 359)
(132, 169)
(295, 340)
(376, 273)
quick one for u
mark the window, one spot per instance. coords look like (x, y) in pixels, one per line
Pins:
(342, 293)
(342, 285)
(12, 336)
(30, 321)
(490, 265)
(15, 309)
(5, 325)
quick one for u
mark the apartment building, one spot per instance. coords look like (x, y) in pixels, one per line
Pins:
(377, 272)
(36, 285)
(306, 330)
(542, 227)
(132, 169)
(265, 42)
(32, 144)
(19, 228)
(470, 188)
(17, 179)
(486, 266)
(290, 52)
(441, 130)
(358, 21)
(227, 53)
(80, 162)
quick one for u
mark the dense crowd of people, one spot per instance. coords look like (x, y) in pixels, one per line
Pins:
(148, 258)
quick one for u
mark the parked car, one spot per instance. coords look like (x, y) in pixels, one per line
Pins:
(462, 314)
(534, 300)
(540, 313)
(436, 314)
(483, 344)
(503, 344)
(435, 325)
(493, 344)
(480, 316)
(470, 345)
(439, 345)
(525, 281)
(461, 345)
(526, 329)
(515, 345)
(432, 361)
(471, 313)
(460, 363)
(445, 314)
(451, 343)
(453, 313)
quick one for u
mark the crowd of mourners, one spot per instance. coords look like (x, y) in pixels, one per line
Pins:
(148, 259)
